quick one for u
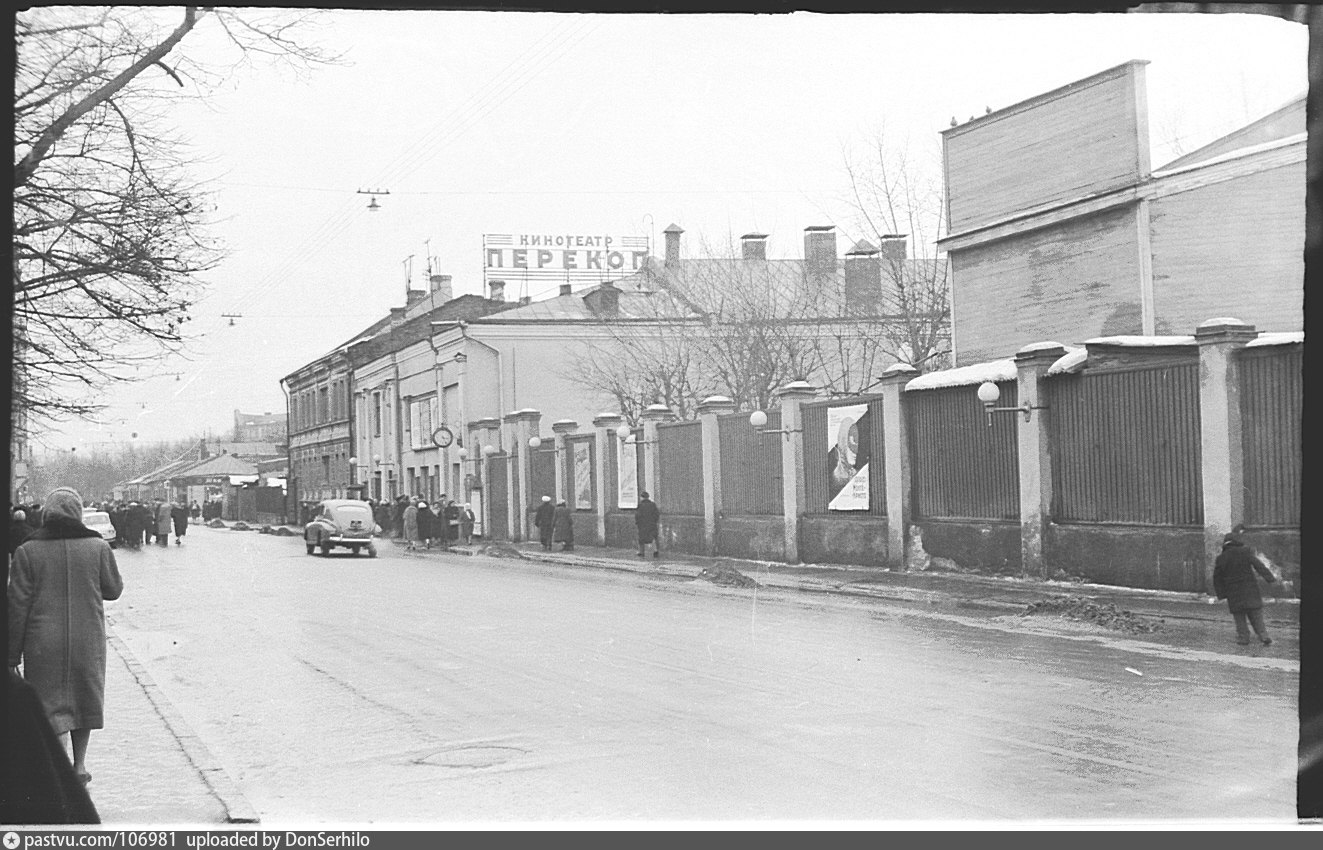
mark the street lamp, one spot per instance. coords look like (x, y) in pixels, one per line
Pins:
(624, 431)
(758, 420)
(989, 393)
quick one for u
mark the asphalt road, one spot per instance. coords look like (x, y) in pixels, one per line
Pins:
(434, 689)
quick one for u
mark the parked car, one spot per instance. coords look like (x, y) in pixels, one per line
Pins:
(99, 521)
(341, 522)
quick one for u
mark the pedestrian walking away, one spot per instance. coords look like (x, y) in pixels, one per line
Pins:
(409, 522)
(59, 582)
(1234, 579)
(466, 521)
(195, 511)
(543, 519)
(164, 521)
(19, 530)
(563, 526)
(647, 516)
(427, 525)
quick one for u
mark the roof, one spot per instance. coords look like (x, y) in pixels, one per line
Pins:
(217, 465)
(637, 301)
(1277, 127)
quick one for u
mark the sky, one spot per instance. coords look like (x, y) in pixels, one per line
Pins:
(501, 122)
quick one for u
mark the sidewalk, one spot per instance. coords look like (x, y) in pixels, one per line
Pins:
(148, 768)
(1188, 623)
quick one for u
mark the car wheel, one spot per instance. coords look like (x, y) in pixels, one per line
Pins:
(355, 549)
(372, 551)
(326, 548)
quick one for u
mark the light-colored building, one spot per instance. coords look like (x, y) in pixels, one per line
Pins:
(1060, 229)
(259, 427)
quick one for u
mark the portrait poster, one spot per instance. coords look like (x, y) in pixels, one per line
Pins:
(848, 439)
(583, 476)
(627, 488)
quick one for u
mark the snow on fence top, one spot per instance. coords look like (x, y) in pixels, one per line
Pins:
(977, 373)
(1286, 338)
(1141, 341)
(1072, 361)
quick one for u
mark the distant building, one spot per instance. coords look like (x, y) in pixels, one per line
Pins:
(1059, 229)
(259, 428)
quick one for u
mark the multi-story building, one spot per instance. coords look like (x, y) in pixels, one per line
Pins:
(1059, 229)
(259, 427)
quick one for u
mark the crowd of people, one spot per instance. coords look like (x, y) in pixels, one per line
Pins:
(441, 523)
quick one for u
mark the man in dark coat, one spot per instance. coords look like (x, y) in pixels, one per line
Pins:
(397, 515)
(1234, 581)
(37, 781)
(179, 516)
(544, 519)
(646, 517)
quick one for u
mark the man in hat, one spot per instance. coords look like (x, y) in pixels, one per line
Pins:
(1234, 580)
(544, 519)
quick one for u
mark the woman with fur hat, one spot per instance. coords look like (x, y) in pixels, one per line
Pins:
(58, 582)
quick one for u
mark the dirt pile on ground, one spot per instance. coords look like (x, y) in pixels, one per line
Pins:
(241, 526)
(215, 523)
(1084, 610)
(278, 531)
(727, 577)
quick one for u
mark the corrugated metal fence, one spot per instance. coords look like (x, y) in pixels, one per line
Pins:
(680, 484)
(1272, 404)
(750, 465)
(1127, 446)
(961, 468)
(817, 474)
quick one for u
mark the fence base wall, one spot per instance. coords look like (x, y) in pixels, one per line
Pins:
(585, 529)
(840, 540)
(621, 532)
(1129, 556)
(987, 546)
(682, 534)
(758, 538)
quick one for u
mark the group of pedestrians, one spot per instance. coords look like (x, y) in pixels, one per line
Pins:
(555, 524)
(420, 524)
(138, 523)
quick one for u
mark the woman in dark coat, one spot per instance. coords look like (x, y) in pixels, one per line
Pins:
(1234, 580)
(179, 516)
(427, 530)
(562, 526)
(58, 584)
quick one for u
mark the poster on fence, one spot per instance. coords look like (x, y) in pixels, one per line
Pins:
(627, 474)
(847, 457)
(583, 476)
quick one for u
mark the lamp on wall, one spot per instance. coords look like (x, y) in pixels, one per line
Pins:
(988, 393)
(535, 443)
(624, 431)
(758, 420)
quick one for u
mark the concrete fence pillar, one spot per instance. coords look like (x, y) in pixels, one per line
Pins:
(708, 411)
(652, 416)
(1034, 450)
(520, 425)
(1221, 451)
(483, 433)
(896, 461)
(562, 428)
(604, 436)
(793, 395)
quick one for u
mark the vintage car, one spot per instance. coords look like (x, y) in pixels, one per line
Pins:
(99, 521)
(341, 522)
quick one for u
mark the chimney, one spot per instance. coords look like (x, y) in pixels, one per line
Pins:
(863, 279)
(754, 245)
(893, 247)
(820, 249)
(604, 301)
(565, 289)
(496, 290)
(442, 291)
(412, 296)
(673, 245)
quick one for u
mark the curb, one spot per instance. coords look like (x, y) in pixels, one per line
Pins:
(209, 768)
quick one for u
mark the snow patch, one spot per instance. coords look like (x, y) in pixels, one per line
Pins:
(1286, 338)
(977, 373)
(1249, 150)
(1073, 361)
(1039, 346)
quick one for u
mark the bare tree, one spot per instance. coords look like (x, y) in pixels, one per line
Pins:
(109, 231)
(890, 196)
